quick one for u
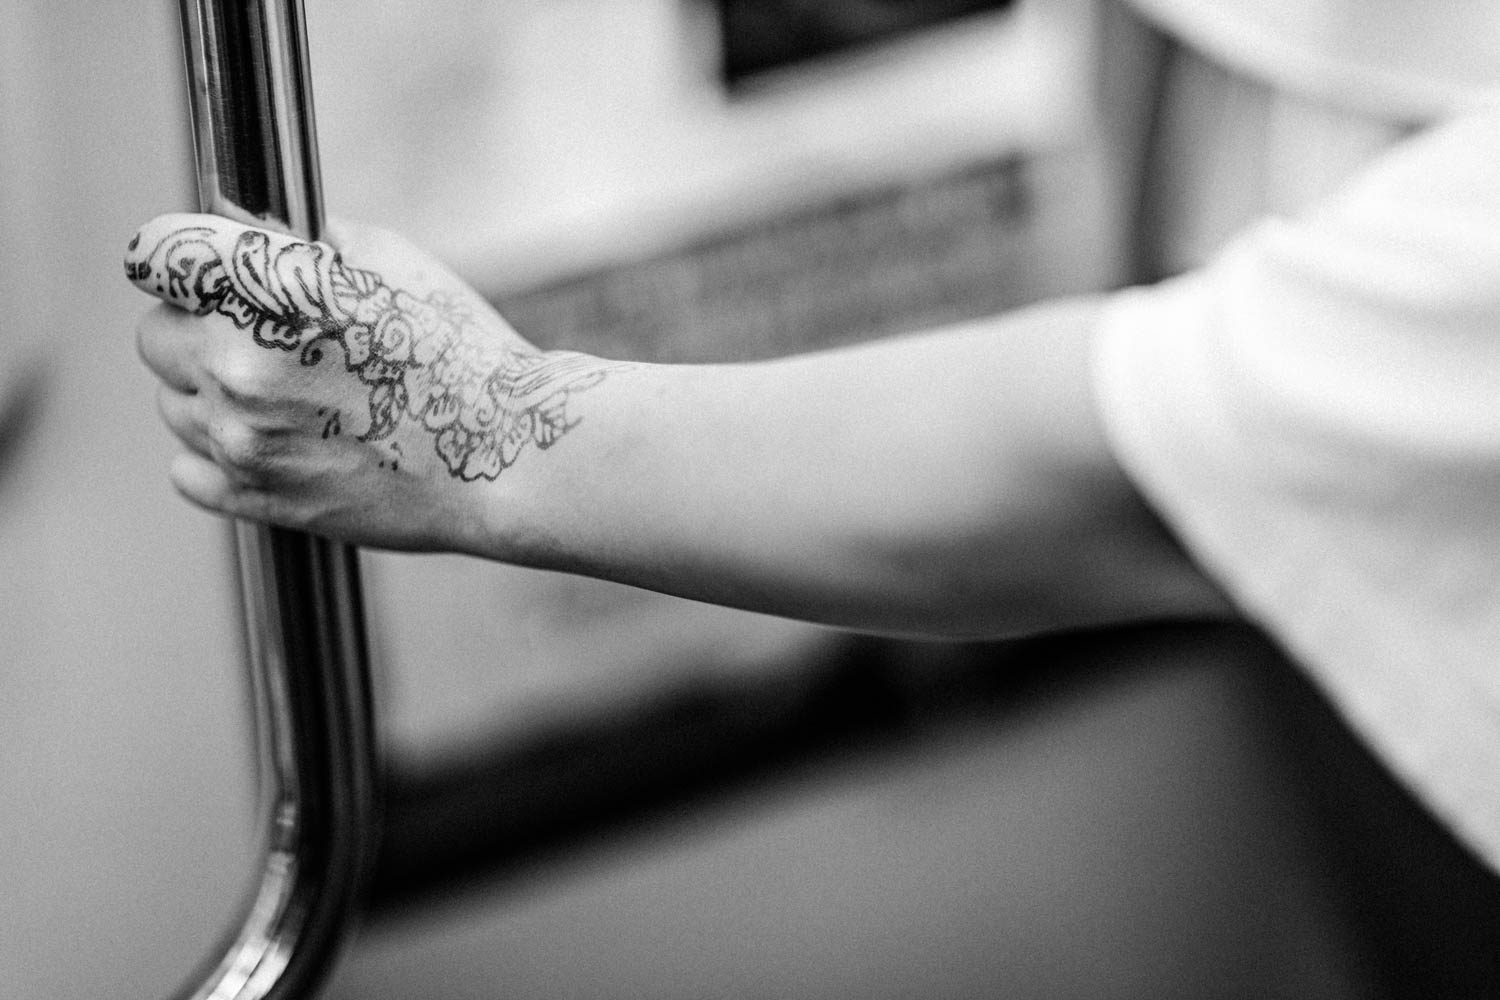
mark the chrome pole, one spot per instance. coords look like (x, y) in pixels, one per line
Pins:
(253, 134)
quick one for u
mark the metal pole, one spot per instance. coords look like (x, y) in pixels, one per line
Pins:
(251, 105)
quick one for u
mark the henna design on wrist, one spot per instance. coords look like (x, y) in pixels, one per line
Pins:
(423, 363)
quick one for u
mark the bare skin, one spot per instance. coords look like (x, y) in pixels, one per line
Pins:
(951, 484)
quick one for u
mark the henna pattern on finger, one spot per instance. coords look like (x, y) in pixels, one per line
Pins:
(421, 360)
(333, 423)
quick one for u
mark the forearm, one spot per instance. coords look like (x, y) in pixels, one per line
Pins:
(952, 484)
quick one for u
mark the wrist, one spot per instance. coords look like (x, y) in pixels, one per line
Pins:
(546, 499)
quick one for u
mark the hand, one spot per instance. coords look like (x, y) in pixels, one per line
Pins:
(365, 393)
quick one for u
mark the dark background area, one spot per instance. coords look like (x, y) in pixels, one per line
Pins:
(761, 35)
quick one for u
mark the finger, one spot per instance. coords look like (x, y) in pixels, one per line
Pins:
(183, 414)
(202, 482)
(210, 487)
(169, 344)
(278, 284)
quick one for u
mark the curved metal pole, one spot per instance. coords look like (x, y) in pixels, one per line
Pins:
(257, 162)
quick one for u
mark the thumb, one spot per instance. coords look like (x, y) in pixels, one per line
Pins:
(205, 263)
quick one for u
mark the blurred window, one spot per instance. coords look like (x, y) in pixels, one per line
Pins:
(766, 34)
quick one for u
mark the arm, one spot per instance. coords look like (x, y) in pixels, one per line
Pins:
(951, 484)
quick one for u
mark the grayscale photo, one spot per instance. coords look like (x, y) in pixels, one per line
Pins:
(750, 500)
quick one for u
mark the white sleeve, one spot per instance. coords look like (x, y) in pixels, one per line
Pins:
(1317, 415)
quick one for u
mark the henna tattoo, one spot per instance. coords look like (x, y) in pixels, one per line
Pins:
(422, 362)
(333, 426)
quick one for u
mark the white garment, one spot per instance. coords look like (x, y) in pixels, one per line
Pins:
(1404, 60)
(1317, 413)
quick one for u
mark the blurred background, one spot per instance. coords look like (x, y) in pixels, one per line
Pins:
(599, 792)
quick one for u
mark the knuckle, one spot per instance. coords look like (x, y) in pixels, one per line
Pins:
(244, 452)
(151, 330)
(169, 406)
(242, 378)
